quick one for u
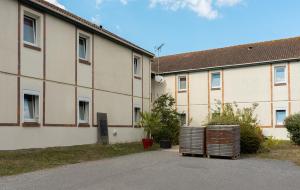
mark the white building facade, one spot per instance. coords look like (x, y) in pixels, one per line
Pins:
(57, 71)
(265, 73)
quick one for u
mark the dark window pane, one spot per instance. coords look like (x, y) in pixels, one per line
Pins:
(31, 107)
(137, 114)
(183, 119)
(82, 48)
(83, 111)
(29, 30)
(136, 66)
(182, 83)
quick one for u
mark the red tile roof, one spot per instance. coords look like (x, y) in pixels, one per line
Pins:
(74, 18)
(261, 52)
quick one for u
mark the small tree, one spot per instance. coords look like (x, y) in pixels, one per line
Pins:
(292, 124)
(164, 106)
(150, 122)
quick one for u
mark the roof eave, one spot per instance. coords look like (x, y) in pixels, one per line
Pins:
(230, 66)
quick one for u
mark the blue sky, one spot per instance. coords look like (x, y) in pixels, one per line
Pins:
(191, 25)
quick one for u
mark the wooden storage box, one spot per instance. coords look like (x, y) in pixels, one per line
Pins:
(192, 140)
(223, 140)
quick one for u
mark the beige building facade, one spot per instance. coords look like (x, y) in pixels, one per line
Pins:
(264, 73)
(57, 71)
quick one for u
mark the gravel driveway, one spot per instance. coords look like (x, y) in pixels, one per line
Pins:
(162, 170)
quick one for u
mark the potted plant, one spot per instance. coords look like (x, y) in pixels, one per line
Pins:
(149, 121)
(165, 138)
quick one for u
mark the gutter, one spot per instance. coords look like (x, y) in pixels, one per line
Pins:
(229, 66)
(69, 17)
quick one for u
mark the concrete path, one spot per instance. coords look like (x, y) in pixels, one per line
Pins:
(162, 170)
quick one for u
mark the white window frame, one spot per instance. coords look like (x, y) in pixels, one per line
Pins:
(33, 93)
(285, 74)
(34, 20)
(139, 66)
(87, 44)
(280, 109)
(211, 80)
(83, 99)
(179, 84)
(25, 11)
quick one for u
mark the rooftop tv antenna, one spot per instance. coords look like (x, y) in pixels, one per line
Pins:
(158, 78)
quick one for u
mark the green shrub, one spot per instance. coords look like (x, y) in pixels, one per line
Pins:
(251, 139)
(164, 106)
(292, 124)
(270, 143)
(251, 134)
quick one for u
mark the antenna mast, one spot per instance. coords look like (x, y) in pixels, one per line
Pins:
(158, 49)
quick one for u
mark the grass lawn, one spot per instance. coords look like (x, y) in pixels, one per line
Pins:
(280, 150)
(21, 161)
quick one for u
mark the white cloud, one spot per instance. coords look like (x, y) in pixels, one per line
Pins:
(229, 3)
(118, 27)
(203, 8)
(55, 2)
(98, 3)
(124, 2)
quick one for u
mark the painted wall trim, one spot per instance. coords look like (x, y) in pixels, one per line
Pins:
(271, 94)
(44, 71)
(93, 78)
(69, 84)
(223, 100)
(132, 78)
(19, 66)
(208, 93)
(142, 83)
(188, 99)
(176, 91)
(76, 62)
(289, 89)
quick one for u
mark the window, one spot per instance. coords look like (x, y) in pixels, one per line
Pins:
(29, 30)
(83, 48)
(31, 108)
(182, 119)
(216, 80)
(136, 66)
(280, 75)
(182, 83)
(137, 114)
(83, 111)
(280, 117)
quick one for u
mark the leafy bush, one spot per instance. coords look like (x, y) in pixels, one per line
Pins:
(292, 124)
(251, 139)
(251, 134)
(164, 106)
